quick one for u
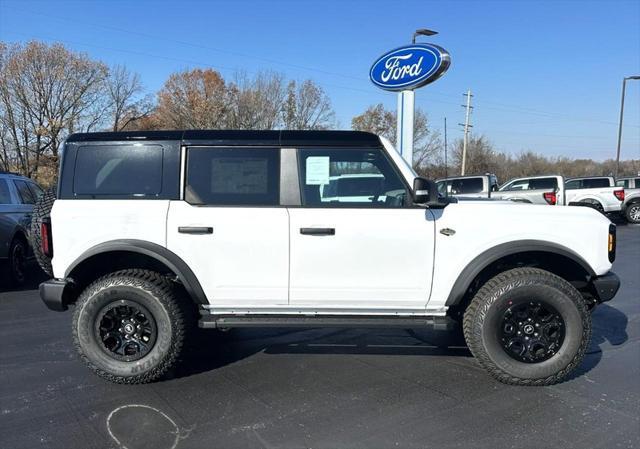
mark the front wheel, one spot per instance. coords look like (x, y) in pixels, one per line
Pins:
(632, 213)
(527, 326)
(130, 326)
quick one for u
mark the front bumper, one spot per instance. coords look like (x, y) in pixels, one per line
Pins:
(606, 286)
(54, 293)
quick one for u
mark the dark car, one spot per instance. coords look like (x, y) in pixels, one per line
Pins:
(17, 197)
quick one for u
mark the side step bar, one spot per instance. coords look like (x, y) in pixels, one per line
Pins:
(208, 321)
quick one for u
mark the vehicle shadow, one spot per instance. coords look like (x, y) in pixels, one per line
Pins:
(609, 325)
(213, 349)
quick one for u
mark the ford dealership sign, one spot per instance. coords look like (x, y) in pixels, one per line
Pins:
(409, 67)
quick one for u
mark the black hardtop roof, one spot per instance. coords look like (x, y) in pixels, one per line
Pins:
(282, 138)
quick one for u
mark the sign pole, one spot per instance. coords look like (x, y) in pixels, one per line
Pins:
(404, 137)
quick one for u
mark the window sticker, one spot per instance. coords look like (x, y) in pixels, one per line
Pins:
(317, 170)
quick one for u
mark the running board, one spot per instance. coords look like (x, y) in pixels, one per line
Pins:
(339, 321)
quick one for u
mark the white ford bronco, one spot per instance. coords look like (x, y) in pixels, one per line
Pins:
(150, 234)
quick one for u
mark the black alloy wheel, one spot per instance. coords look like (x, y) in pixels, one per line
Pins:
(531, 332)
(126, 330)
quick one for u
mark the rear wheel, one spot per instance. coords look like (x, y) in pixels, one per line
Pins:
(18, 262)
(130, 326)
(527, 326)
(632, 213)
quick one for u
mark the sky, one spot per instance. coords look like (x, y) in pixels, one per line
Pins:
(546, 75)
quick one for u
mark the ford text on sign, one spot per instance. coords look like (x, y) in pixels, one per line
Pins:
(409, 67)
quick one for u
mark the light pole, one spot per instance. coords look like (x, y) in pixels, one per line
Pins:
(422, 32)
(406, 111)
(624, 85)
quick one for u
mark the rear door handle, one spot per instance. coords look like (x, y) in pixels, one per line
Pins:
(195, 230)
(318, 231)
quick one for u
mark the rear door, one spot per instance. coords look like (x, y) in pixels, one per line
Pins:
(366, 250)
(230, 228)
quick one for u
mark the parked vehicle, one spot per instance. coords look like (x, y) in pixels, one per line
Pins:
(534, 190)
(475, 186)
(17, 197)
(631, 205)
(596, 192)
(152, 232)
(629, 183)
(599, 192)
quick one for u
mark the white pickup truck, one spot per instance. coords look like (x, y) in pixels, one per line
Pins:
(471, 186)
(631, 204)
(598, 192)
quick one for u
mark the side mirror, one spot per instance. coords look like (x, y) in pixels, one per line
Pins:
(424, 191)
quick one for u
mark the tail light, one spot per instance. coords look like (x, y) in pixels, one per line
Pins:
(45, 238)
(619, 194)
(550, 197)
(612, 243)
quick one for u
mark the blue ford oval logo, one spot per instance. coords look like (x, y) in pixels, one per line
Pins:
(409, 67)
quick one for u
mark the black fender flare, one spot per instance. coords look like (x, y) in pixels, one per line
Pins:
(483, 260)
(155, 251)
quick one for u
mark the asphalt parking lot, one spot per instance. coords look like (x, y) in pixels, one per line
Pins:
(320, 388)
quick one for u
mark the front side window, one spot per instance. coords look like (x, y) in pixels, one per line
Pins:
(347, 177)
(623, 183)
(518, 184)
(233, 176)
(26, 196)
(5, 194)
(460, 186)
(120, 170)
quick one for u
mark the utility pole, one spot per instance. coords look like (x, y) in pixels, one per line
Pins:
(466, 130)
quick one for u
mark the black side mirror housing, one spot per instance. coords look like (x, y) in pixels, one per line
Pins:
(425, 191)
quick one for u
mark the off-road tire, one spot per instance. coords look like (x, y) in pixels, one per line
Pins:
(170, 309)
(632, 213)
(41, 212)
(483, 316)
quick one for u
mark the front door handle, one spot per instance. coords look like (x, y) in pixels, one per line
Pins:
(195, 230)
(318, 231)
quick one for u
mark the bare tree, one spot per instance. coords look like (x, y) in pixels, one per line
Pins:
(46, 91)
(427, 144)
(256, 103)
(126, 103)
(307, 106)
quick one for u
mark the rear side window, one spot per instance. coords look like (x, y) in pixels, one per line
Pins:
(572, 185)
(595, 183)
(233, 176)
(121, 170)
(543, 183)
(26, 196)
(36, 190)
(5, 195)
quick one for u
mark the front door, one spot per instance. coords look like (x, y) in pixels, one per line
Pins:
(230, 229)
(356, 242)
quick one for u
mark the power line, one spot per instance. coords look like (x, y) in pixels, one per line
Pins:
(499, 106)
